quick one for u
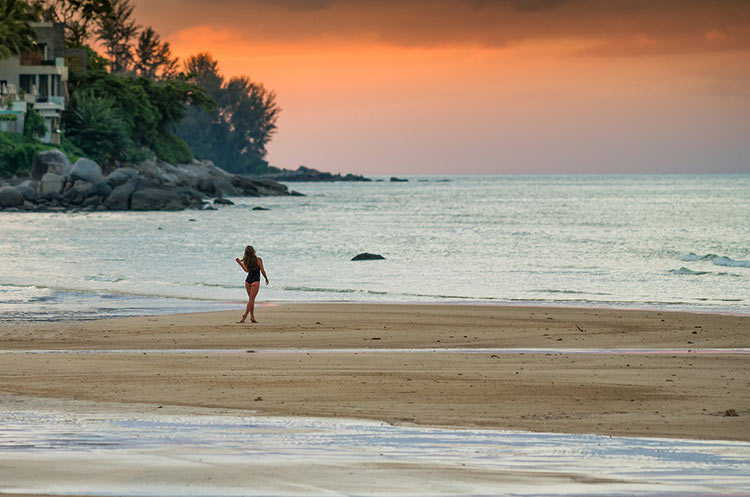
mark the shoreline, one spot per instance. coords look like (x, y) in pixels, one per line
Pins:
(202, 305)
(652, 394)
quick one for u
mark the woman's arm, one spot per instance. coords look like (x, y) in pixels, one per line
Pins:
(240, 263)
(260, 264)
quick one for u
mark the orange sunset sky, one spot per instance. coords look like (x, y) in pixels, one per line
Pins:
(486, 86)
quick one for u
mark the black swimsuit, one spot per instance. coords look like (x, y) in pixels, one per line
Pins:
(253, 276)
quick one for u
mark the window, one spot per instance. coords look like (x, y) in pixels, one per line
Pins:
(43, 85)
(26, 81)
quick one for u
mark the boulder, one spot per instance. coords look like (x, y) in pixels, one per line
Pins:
(160, 173)
(223, 201)
(295, 193)
(366, 256)
(92, 202)
(398, 180)
(154, 199)
(261, 208)
(10, 197)
(223, 186)
(87, 170)
(121, 176)
(28, 192)
(51, 161)
(119, 199)
(51, 183)
(246, 186)
(205, 185)
(100, 189)
(77, 194)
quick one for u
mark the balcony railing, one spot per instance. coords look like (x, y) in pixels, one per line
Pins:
(31, 58)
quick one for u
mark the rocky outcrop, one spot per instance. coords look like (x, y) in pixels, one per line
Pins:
(51, 183)
(398, 180)
(10, 197)
(87, 170)
(51, 161)
(121, 176)
(309, 174)
(366, 256)
(149, 185)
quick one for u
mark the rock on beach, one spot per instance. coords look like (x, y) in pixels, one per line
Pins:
(366, 256)
(57, 185)
(10, 197)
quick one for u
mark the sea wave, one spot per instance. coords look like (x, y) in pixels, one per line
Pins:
(319, 290)
(729, 262)
(18, 294)
(689, 272)
(718, 260)
(695, 257)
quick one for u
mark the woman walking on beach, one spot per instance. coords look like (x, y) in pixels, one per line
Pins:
(253, 266)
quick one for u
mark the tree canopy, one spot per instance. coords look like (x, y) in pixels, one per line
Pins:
(16, 35)
(136, 103)
(77, 16)
(235, 134)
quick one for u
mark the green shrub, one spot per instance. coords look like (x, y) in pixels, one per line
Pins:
(172, 149)
(33, 125)
(17, 153)
(96, 126)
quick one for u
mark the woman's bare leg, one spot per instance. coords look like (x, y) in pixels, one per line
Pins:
(254, 287)
(250, 302)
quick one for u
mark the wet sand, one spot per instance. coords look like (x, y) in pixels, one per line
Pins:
(682, 395)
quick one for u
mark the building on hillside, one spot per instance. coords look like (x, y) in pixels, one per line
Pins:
(38, 80)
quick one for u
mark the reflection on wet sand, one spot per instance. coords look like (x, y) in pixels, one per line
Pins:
(97, 453)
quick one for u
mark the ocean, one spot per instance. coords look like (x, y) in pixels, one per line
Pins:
(669, 242)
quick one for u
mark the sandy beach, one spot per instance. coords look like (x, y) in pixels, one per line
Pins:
(209, 361)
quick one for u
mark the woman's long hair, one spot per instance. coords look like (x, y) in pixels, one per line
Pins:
(249, 259)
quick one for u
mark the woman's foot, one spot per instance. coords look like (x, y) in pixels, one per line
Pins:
(253, 320)
(242, 320)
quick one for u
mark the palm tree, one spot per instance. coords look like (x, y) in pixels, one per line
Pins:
(16, 35)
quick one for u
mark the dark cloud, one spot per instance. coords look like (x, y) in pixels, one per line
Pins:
(612, 27)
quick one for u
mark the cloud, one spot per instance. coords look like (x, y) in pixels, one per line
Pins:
(611, 28)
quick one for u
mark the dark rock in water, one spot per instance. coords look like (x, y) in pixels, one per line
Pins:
(294, 193)
(398, 180)
(154, 199)
(366, 256)
(10, 197)
(223, 201)
(261, 208)
(51, 161)
(87, 170)
(309, 174)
